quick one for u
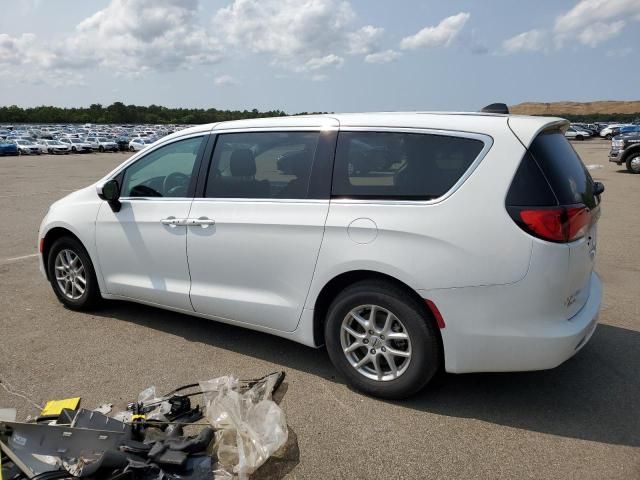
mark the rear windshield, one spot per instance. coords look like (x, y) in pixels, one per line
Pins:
(563, 169)
(400, 165)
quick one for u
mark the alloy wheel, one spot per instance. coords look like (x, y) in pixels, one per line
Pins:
(70, 274)
(375, 343)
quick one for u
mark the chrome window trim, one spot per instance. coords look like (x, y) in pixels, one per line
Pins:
(486, 139)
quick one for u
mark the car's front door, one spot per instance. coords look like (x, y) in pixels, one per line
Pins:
(256, 233)
(142, 247)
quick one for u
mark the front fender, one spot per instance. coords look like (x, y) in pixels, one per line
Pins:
(76, 214)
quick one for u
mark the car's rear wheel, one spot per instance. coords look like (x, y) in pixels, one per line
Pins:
(633, 163)
(382, 340)
(132, 149)
(72, 275)
(101, 148)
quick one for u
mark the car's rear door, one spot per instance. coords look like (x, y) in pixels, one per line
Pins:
(574, 189)
(257, 226)
(142, 248)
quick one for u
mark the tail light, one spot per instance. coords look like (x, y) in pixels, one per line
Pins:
(555, 224)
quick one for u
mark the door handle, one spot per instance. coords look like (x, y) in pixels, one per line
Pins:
(173, 222)
(204, 222)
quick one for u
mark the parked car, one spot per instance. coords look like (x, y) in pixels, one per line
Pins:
(101, 144)
(625, 149)
(93, 141)
(610, 131)
(575, 134)
(123, 143)
(401, 273)
(54, 146)
(629, 129)
(77, 146)
(41, 144)
(138, 143)
(27, 147)
(8, 147)
(106, 145)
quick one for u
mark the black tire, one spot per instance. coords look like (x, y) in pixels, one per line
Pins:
(132, 149)
(74, 149)
(101, 149)
(91, 297)
(630, 158)
(608, 136)
(425, 361)
(579, 137)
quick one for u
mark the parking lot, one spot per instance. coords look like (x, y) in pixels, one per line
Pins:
(580, 420)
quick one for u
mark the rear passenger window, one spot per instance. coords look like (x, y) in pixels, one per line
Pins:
(400, 165)
(262, 165)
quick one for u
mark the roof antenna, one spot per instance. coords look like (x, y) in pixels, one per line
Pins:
(496, 108)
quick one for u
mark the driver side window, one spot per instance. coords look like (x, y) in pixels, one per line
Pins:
(165, 172)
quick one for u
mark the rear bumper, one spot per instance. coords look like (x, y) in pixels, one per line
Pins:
(486, 340)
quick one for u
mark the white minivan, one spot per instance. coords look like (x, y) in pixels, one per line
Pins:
(407, 243)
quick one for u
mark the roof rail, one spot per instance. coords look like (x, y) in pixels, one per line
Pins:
(496, 108)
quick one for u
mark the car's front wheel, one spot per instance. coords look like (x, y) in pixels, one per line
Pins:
(633, 163)
(382, 340)
(72, 275)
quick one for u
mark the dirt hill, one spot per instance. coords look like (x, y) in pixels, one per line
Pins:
(576, 108)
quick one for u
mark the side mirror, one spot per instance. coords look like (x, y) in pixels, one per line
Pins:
(110, 191)
(598, 188)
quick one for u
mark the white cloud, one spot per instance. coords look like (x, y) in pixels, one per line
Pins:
(531, 41)
(439, 36)
(588, 12)
(589, 22)
(320, 77)
(330, 60)
(385, 56)
(593, 22)
(599, 32)
(24, 59)
(365, 40)
(224, 80)
(135, 36)
(285, 28)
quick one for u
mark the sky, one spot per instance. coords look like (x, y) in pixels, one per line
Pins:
(318, 55)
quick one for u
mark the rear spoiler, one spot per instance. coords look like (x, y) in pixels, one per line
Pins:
(526, 129)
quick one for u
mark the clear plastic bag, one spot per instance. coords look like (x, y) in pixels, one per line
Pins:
(250, 427)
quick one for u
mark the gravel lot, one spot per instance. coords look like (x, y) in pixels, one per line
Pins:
(581, 420)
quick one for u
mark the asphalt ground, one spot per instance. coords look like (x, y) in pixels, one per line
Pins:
(580, 420)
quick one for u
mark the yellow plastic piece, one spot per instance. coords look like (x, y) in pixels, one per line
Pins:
(55, 407)
(134, 417)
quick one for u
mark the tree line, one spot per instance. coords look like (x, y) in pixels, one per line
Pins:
(118, 112)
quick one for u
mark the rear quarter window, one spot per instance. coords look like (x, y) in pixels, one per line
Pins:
(389, 165)
(563, 168)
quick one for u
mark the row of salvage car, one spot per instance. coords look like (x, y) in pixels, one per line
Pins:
(23, 146)
(63, 139)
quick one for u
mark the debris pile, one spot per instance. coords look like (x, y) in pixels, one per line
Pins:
(158, 437)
